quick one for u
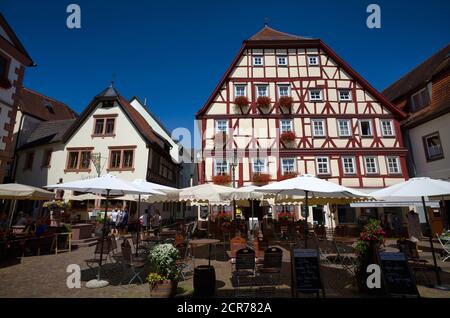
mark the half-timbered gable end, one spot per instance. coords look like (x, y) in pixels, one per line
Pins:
(289, 105)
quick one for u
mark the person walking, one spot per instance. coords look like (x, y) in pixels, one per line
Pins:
(114, 217)
(156, 223)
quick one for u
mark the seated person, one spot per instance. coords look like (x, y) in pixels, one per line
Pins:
(30, 227)
(41, 227)
(22, 220)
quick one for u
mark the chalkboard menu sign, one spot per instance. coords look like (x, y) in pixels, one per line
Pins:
(204, 211)
(397, 275)
(306, 271)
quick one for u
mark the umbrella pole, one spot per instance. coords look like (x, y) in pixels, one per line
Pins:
(138, 224)
(11, 213)
(103, 234)
(306, 218)
(436, 269)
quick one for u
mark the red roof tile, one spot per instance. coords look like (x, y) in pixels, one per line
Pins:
(43, 107)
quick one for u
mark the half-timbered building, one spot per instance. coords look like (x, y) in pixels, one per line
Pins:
(290, 105)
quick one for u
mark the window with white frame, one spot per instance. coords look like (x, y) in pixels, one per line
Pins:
(282, 61)
(221, 167)
(315, 95)
(221, 126)
(345, 95)
(323, 165)
(365, 127)
(259, 165)
(433, 146)
(287, 165)
(318, 127)
(393, 164)
(344, 127)
(258, 60)
(387, 128)
(286, 125)
(283, 90)
(262, 90)
(313, 60)
(239, 90)
(348, 163)
(371, 164)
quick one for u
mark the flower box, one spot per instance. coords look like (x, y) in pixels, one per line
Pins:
(261, 178)
(287, 136)
(241, 101)
(263, 101)
(222, 179)
(288, 175)
(285, 101)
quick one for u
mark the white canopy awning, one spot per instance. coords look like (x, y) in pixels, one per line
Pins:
(17, 191)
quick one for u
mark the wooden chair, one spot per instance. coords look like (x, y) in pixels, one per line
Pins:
(183, 262)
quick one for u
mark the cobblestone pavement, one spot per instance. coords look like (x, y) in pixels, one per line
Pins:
(45, 276)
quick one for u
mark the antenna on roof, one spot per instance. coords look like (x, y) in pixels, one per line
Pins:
(113, 78)
(266, 22)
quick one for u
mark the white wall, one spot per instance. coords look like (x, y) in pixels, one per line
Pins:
(439, 169)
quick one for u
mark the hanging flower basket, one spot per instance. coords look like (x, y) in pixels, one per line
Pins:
(223, 217)
(241, 101)
(288, 175)
(287, 136)
(285, 101)
(285, 217)
(222, 179)
(261, 178)
(263, 101)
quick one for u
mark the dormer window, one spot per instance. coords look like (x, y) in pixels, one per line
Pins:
(258, 60)
(104, 125)
(420, 99)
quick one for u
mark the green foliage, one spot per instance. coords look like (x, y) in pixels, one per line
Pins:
(372, 233)
(154, 278)
(57, 205)
(164, 257)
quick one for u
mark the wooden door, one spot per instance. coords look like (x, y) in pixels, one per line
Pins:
(435, 219)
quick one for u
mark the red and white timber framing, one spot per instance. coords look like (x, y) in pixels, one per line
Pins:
(253, 129)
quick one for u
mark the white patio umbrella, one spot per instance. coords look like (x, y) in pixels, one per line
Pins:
(17, 191)
(308, 185)
(419, 187)
(107, 185)
(211, 193)
(244, 193)
(83, 197)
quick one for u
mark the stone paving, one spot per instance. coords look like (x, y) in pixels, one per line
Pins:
(45, 276)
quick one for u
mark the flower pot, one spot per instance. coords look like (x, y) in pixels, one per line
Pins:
(164, 289)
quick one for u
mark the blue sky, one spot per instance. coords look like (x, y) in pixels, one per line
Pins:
(175, 52)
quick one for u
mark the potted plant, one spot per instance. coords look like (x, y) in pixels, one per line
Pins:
(222, 179)
(263, 101)
(241, 101)
(163, 280)
(285, 101)
(56, 207)
(287, 137)
(367, 246)
(261, 178)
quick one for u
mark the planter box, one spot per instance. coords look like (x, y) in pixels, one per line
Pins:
(81, 231)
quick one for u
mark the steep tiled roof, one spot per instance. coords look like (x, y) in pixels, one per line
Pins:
(48, 132)
(420, 75)
(269, 34)
(43, 107)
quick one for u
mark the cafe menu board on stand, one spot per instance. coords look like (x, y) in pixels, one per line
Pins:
(306, 272)
(397, 276)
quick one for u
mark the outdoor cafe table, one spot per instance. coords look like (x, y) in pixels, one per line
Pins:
(200, 242)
